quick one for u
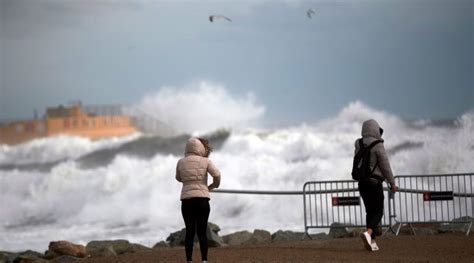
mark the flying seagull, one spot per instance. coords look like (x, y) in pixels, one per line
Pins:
(310, 12)
(215, 17)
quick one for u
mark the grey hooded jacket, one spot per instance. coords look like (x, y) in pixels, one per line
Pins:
(192, 171)
(378, 155)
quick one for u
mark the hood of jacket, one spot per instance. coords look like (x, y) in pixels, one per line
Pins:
(371, 128)
(194, 146)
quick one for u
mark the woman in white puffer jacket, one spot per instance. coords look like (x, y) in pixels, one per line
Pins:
(192, 171)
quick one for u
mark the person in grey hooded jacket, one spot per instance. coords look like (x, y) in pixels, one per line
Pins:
(371, 189)
(192, 171)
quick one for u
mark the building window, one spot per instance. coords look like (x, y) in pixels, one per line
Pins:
(29, 126)
(19, 128)
(40, 128)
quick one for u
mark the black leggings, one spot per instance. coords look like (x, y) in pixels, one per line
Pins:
(195, 214)
(372, 195)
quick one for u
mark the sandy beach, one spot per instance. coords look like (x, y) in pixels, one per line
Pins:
(407, 248)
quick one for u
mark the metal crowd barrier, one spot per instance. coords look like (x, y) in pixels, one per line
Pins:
(434, 199)
(329, 202)
(421, 199)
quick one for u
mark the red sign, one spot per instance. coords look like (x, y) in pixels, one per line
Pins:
(437, 196)
(345, 201)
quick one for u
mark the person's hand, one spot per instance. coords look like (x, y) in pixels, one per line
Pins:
(210, 188)
(394, 188)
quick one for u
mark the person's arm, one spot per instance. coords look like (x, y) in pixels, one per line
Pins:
(384, 166)
(216, 176)
(178, 175)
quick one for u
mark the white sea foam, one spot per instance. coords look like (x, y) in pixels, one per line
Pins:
(201, 107)
(56, 148)
(138, 199)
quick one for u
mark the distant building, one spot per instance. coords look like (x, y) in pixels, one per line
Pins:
(66, 120)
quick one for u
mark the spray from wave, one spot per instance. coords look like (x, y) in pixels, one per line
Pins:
(201, 107)
(133, 195)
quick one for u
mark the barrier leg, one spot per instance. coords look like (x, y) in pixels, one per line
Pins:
(306, 235)
(391, 214)
(413, 229)
(469, 229)
(398, 229)
(389, 228)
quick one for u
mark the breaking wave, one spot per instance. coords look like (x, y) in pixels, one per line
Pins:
(125, 188)
(201, 107)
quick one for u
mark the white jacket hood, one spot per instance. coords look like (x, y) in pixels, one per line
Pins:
(194, 146)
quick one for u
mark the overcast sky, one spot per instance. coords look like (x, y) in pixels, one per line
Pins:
(413, 58)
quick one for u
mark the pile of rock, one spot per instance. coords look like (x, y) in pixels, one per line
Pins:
(177, 238)
(64, 251)
(239, 238)
(458, 225)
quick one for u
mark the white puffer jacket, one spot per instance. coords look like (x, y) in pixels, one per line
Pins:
(192, 171)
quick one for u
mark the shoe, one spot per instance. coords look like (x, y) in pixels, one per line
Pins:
(367, 240)
(374, 246)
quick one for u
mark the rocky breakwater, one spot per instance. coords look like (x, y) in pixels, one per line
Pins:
(65, 251)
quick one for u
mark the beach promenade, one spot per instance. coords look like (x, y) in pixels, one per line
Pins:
(453, 247)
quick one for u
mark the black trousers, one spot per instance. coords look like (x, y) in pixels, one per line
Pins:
(371, 192)
(195, 214)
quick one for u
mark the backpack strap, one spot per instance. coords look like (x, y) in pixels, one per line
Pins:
(375, 166)
(361, 144)
(370, 148)
(373, 144)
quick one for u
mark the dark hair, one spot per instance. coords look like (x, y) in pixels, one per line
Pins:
(207, 146)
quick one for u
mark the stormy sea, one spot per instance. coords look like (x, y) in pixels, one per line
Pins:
(75, 189)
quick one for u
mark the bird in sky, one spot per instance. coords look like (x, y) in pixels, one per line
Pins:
(215, 17)
(310, 12)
